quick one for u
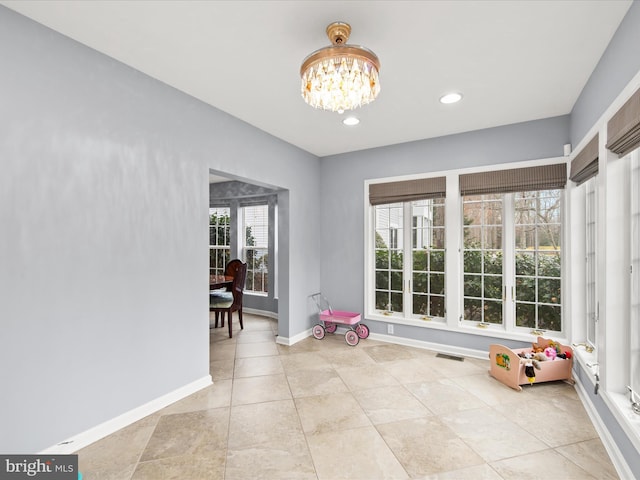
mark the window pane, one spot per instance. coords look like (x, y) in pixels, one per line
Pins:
(525, 289)
(483, 257)
(382, 259)
(437, 260)
(493, 261)
(389, 243)
(472, 286)
(395, 260)
(420, 261)
(382, 300)
(538, 259)
(493, 312)
(525, 263)
(549, 318)
(473, 237)
(256, 246)
(549, 290)
(420, 282)
(591, 221)
(437, 305)
(473, 261)
(473, 309)
(526, 315)
(492, 237)
(396, 281)
(420, 304)
(492, 286)
(427, 241)
(396, 302)
(219, 243)
(436, 283)
(634, 336)
(382, 280)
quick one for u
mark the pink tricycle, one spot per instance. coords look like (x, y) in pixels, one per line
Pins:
(330, 318)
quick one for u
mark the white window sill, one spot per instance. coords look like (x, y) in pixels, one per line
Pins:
(256, 294)
(493, 331)
(620, 406)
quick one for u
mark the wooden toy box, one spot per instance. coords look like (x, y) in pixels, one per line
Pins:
(507, 367)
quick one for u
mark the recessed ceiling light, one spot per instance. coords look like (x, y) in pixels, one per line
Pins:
(351, 121)
(451, 98)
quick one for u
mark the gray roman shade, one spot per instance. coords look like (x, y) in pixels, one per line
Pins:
(407, 191)
(623, 130)
(545, 177)
(585, 164)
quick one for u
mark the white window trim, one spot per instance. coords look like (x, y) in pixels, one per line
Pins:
(453, 209)
(509, 278)
(246, 248)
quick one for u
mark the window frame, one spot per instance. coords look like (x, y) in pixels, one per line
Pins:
(453, 246)
(262, 249)
(224, 248)
(509, 276)
(634, 270)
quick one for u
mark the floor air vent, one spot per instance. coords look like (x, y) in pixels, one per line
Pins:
(450, 357)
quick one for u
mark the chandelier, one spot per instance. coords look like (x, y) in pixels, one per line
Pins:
(340, 77)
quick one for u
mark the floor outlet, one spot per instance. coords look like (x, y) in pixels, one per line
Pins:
(390, 329)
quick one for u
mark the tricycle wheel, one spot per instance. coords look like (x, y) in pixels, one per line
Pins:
(330, 327)
(362, 330)
(318, 331)
(351, 337)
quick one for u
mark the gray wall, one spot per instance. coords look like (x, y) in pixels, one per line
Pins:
(104, 242)
(342, 212)
(617, 67)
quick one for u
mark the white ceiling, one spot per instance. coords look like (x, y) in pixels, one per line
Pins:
(513, 60)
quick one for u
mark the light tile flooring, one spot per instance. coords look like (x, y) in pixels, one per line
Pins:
(324, 410)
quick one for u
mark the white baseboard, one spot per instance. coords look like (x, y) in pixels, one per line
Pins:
(436, 347)
(94, 434)
(409, 342)
(288, 341)
(620, 464)
(262, 313)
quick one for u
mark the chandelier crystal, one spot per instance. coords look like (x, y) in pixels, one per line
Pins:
(340, 77)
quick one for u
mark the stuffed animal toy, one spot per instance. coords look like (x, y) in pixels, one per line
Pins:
(551, 353)
(529, 369)
(555, 345)
(540, 356)
(537, 348)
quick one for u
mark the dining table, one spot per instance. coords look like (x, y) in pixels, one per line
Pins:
(219, 281)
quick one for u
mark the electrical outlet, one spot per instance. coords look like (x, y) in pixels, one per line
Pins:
(390, 329)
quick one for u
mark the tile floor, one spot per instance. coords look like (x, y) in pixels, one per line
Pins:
(324, 410)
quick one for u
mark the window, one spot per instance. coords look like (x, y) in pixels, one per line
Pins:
(256, 247)
(512, 260)
(590, 236)
(389, 265)
(418, 257)
(427, 253)
(538, 261)
(219, 240)
(482, 258)
(635, 273)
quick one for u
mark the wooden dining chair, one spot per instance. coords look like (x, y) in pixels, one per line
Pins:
(222, 303)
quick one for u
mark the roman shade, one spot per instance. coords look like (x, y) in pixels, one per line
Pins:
(623, 130)
(585, 164)
(544, 177)
(407, 191)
